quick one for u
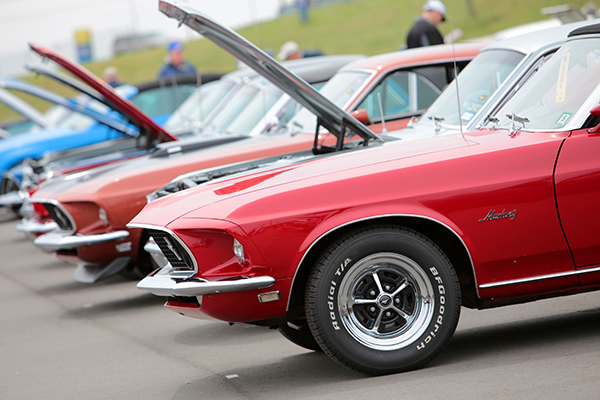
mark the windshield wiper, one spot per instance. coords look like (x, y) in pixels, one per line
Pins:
(436, 121)
(515, 118)
(490, 118)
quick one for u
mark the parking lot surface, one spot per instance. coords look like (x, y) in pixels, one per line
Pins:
(64, 340)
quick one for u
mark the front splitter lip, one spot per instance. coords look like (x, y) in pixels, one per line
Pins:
(165, 286)
(61, 241)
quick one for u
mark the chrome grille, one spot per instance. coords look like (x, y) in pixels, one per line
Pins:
(60, 217)
(175, 253)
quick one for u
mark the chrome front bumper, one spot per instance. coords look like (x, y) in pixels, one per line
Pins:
(11, 199)
(163, 285)
(62, 241)
(33, 227)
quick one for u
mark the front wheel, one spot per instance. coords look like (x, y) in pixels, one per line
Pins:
(383, 299)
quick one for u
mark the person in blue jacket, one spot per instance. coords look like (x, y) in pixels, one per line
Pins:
(176, 64)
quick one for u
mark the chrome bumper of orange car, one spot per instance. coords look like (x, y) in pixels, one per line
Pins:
(165, 286)
(11, 199)
(62, 241)
(34, 227)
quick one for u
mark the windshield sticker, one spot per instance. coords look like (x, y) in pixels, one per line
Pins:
(467, 116)
(561, 85)
(562, 120)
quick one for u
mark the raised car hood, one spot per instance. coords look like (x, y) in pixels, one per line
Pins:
(68, 81)
(16, 84)
(23, 108)
(134, 113)
(330, 116)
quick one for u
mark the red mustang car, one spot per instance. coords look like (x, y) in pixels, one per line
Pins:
(369, 255)
(93, 208)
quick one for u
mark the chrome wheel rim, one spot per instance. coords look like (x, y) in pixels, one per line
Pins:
(386, 302)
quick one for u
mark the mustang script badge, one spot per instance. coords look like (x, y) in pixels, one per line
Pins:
(492, 215)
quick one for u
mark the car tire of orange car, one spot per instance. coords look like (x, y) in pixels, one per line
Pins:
(382, 299)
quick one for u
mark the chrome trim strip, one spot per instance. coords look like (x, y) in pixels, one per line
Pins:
(62, 241)
(413, 103)
(163, 285)
(29, 226)
(386, 216)
(170, 232)
(152, 248)
(362, 91)
(159, 258)
(57, 204)
(539, 278)
(10, 198)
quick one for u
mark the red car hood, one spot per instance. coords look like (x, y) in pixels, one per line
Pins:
(105, 90)
(329, 169)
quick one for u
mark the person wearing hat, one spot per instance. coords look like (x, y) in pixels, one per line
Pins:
(176, 64)
(111, 76)
(291, 51)
(424, 32)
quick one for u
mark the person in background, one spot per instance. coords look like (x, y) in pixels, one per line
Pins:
(303, 10)
(424, 32)
(291, 51)
(175, 64)
(111, 76)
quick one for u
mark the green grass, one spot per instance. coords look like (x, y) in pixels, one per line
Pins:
(353, 26)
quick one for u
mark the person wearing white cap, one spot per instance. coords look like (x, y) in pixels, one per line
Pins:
(291, 51)
(424, 32)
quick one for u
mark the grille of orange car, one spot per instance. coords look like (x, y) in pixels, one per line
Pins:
(60, 217)
(175, 253)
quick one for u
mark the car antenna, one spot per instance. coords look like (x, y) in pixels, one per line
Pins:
(383, 130)
(456, 78)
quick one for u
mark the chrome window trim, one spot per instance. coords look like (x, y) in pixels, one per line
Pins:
(58, 205)
(366, 86)
(412, 92)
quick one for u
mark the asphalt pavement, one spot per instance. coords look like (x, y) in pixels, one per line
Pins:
(60, 339)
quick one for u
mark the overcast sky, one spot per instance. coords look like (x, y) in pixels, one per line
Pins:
(54, 22)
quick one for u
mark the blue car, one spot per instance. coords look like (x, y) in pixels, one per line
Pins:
(74, 123)
(91, 126)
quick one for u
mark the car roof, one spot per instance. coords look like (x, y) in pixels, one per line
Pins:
(586, 30)
(311, 69)
(538, 40)
(418, 56)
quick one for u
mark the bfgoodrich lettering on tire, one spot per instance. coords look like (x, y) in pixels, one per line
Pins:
(383, 299)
